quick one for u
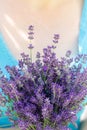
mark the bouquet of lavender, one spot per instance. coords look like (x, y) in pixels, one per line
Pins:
(45, 94)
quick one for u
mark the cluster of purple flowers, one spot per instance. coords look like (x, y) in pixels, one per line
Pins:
(46, 94)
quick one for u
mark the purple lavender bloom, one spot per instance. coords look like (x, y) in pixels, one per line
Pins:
(56, 38)
(47, 109)
(31, 33)
(77, 59)
(45, 94)
(31, 28)
(30, 46)
(38, 55)
(68, 53)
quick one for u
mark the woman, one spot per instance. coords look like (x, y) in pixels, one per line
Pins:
(48, 17)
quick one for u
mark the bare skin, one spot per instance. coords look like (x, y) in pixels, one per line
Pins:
(48, 17)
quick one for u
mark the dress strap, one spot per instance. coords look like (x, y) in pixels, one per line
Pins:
(83, 30)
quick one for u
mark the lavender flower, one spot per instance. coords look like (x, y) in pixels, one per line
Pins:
(45, 94)
(30, 46)
(56, 38)
(68, 53)
(31, 37)
(31, 33)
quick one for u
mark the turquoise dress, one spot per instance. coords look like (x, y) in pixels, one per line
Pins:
(82, 46)
(83, 31)
(6, 58)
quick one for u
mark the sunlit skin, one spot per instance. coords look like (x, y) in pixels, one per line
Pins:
(48, 17)
(46, 4)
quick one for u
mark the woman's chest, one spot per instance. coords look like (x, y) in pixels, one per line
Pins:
(63, 18)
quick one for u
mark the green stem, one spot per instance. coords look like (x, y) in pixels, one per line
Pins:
(31, 127)
(31, 54)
